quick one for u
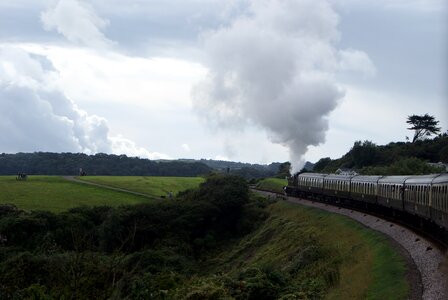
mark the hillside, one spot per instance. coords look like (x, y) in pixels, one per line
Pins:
(392, 159)
(216, 242)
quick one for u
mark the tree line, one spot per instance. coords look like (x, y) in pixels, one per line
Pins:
(392, 159)
(47, 163)
(396, 158)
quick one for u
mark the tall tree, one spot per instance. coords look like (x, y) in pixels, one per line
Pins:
(284, 170)
(423, 126)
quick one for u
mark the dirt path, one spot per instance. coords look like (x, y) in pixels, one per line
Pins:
(74, 179)
(431, 264)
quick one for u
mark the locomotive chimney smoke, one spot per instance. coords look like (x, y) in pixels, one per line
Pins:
(274, 67)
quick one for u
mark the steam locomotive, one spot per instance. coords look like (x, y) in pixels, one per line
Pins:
(423, 199)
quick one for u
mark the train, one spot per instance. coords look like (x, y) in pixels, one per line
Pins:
(421, 199)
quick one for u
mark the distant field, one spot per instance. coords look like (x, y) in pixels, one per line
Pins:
(272, 184)
(56, 194)
(150, 185)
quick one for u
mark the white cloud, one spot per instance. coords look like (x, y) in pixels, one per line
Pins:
(120, 145)
(422, 6)
(221, 157)
(36, 115)
(355, 60)
(186, 148)
(77, 21)
(156, 83)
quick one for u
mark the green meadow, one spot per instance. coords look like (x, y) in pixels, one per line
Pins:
(56, 194)
(272, 184)
(151, 185)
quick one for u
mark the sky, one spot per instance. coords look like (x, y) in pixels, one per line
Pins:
(245, 80)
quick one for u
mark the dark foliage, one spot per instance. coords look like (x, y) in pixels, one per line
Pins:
(284, 170)
(103, 252)
(423, 126)
(366, 155)
(321, 164)
(46, 163)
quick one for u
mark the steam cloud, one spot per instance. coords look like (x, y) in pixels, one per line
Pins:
(274, 67)
(36, 115)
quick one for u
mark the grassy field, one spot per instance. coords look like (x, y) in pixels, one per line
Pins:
(368, 267)
(272, 184)
(56, 194)
(150, 185)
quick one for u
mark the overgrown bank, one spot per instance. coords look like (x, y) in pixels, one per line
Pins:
(214, 242)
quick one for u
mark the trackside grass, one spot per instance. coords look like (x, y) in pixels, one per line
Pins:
(151, 185)
(322, 251)
(56, 194)
(272, 184)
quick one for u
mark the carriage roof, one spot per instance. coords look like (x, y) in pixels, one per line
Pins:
(423, 179)
(312, 175)
(338, 177)
(362, 178)
(393, 179)
(443, 178)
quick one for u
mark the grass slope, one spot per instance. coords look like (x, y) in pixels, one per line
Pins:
(57, 194)
(151, 185)
(324, 250)
(272, 184)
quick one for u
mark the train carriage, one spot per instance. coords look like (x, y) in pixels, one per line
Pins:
(310, 183)
(417, 195)
(364, 188)
(337, 186)
(390, 191)
(439, 200)
(423, 197)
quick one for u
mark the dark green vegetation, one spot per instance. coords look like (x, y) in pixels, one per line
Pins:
(56, 194)
(153, 185)
(215, 242)
(423, 126)
(44, 163)
(392, 159)
(245, 170)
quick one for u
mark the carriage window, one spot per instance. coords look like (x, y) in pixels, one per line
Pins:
(435, 195)
(419, 194)
(443, 197)
(416, 193)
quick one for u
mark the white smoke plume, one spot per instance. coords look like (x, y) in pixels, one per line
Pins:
(274, 67)
(35, 114)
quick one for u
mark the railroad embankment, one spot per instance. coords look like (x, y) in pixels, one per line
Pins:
(320, 255)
